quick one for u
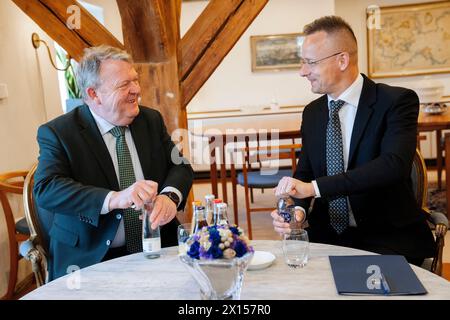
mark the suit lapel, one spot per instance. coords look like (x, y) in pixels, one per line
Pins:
(93, 138)
(366, 101)
(321, 121)
(139, 131)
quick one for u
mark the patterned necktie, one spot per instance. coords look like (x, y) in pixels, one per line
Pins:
(132, 223)
(338, 208)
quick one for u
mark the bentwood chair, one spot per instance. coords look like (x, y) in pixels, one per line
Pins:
(35, 249)
(11, 183)
(437, 220)
(258, 172)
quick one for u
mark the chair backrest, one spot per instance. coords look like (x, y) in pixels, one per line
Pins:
(436, 219)
(12, 183)
(39, 224)
(260, 154)
(419, 179)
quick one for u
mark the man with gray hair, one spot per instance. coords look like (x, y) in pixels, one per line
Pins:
(100, 163)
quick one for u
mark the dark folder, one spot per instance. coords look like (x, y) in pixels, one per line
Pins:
(374, 275)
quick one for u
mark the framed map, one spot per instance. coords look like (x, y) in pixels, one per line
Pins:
(275, 52)
(409, 40)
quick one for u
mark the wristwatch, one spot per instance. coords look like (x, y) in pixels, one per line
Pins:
(172, 196)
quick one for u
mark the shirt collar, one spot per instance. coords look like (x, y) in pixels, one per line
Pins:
(352, 94)
(103, 125)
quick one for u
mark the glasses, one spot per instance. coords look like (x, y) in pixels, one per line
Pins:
(312, 63)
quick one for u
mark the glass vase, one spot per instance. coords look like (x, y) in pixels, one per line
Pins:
(219, 279)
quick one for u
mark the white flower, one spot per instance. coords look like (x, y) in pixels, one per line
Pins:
(229, 253)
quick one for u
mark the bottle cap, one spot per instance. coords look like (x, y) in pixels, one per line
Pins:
(209, 197)
(197, 203)
(221, 205)
(218, 201)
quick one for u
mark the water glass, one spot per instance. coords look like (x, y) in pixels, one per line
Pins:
(296, 248)
(184, 231)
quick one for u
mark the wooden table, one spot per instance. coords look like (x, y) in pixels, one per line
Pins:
(436, 123)
(135, 277)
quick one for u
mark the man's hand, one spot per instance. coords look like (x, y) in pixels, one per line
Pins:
(164, 210)
(140, 192)
(283, 227)
(278, 223)
(294, 188)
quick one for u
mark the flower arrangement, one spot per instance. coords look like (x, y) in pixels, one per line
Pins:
(217, 242)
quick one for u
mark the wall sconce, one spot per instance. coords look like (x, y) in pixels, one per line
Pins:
(36, 41)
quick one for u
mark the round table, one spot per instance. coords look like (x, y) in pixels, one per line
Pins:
(136, 277)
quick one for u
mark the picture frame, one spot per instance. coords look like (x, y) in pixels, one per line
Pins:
(276, 52)
(408, 40)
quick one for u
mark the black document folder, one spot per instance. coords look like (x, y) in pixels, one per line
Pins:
(375, 275)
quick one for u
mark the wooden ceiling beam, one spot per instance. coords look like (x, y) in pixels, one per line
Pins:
(151, 35)
(219, 47)
(52, 15)
(55, 28)
(146, 34)
(92, 31)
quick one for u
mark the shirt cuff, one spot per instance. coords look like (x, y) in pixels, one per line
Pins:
(316, 189)
(173, 189)
(105, 207)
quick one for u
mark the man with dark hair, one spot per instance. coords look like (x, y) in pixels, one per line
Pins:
(358, 143)
(101, 163)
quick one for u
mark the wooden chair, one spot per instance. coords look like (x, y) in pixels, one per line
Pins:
(437, 220)
(36, 247)
(12, 183)
(255, 175)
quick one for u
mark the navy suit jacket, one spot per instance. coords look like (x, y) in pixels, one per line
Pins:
(377, 180)
(76, 172)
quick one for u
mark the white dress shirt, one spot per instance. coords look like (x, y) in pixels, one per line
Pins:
(347, 115)
(104, 127)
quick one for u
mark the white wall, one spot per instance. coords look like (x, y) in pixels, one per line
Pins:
(233, 84)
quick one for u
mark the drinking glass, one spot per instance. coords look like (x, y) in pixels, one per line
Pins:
(296, 248)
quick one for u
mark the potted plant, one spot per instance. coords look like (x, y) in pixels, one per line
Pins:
(73, 92)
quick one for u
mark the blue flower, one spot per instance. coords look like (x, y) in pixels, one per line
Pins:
(214, 236)
(211, 243)
(194, 250)
(234, 230)
(240, 249)
(215, 252)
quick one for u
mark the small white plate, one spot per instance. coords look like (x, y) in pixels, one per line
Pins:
(261, 260)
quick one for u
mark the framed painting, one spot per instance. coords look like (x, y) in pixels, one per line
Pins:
(276, 52)
(409, 40)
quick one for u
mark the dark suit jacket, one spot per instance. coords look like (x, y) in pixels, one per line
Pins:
(377, 180)
(75, 173)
